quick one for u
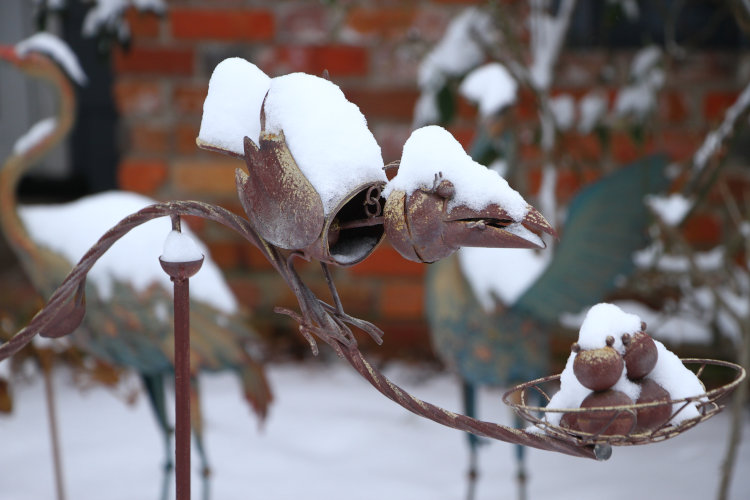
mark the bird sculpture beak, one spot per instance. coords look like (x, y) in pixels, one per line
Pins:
(8, 53)
(422, 227)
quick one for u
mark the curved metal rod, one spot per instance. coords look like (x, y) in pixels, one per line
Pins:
(348, 350)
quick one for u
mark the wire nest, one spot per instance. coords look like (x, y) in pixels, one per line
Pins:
(709, 404)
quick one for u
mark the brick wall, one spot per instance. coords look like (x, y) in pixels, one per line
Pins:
(371, 49)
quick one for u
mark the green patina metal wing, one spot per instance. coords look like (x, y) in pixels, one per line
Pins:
(606, 223)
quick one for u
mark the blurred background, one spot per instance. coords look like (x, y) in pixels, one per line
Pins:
(584, 107)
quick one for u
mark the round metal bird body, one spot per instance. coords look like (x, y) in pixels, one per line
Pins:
(284, 206)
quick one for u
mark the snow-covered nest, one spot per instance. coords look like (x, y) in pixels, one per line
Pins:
(49, 44)
(604, 320)
(133, 259)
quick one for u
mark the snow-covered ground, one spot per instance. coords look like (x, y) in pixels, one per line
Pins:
(331, 436)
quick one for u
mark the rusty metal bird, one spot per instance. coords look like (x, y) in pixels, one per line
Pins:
(315, 186)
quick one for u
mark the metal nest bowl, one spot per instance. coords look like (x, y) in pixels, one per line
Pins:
(709, 404)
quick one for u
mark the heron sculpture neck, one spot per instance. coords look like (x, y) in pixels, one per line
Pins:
(39, 143)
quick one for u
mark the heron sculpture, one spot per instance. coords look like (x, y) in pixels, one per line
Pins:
(129, 320)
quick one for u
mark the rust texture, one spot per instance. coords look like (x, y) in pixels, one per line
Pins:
(318, 318)
(180, 273)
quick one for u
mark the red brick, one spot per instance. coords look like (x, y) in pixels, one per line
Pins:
(184, 138)
(137, 98)
(396, 104)
(715, 104)
(527, 106)
(679, 145)
(402, 300)
(582, 147)
(624, 148)
(253, 259)
(226, 254)
(673, 107)
(142, 176)
(189, 99)
(466, 110)
(384, 22)
(309, 23)
(463, 134)
(149, 139)
(155, 60)
(201, 177)
(402, 340)
(142, 24)
(234, 24)
(385, 261)
(702, 230)
(339, 60)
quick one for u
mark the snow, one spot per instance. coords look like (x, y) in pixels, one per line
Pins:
(491, 278)
(671, 209)
(591, 109)
(654, 256)
(490, 86)
(331, 436)
(55, 48)
(326, 134)
(563, 109)
(72, 228)
(603, 320)
(37, 133)
(638, 98)
(179, 247)
(679, 382)
(460, 49)
(547, 37)
(431, 150)
(231, 110)
(108, 15)
(606, 319)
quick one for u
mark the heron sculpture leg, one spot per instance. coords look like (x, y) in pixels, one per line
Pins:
(154, 385)
(196, 422)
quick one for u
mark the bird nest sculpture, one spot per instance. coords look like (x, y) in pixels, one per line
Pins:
(708, 404)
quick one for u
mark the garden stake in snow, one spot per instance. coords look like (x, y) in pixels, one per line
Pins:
(428, 210)
(180, 272)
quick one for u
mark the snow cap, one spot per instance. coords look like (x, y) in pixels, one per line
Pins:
(326, 134)
(431, 150)
(604, 320)
(52, 46)
(231, 110)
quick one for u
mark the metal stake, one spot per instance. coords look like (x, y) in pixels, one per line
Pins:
(180, 273)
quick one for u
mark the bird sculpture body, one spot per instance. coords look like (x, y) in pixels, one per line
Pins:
(508, 343)
(127, 296)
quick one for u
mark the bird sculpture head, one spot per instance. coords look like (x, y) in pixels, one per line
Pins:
(315, 181)
(43, 55)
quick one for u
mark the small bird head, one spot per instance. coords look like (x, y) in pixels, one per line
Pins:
(441, 200)
(424, 227)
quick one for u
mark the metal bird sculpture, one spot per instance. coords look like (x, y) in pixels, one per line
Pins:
(128, 324)
(315, 187)
(606, 223)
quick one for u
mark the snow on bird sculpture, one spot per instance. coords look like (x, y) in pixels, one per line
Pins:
(129, 319)
(315, 186)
